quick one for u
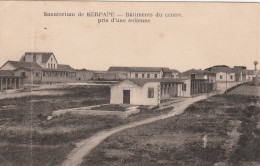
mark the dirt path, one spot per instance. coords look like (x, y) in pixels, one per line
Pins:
(83, 147)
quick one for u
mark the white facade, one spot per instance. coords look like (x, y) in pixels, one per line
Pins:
(151, 93)
(51, 63)
(138, 94)
(222, 76)
(145, 75)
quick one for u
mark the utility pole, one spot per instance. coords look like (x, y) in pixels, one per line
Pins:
(226, 83)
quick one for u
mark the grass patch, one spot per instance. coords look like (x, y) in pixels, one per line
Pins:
(179, 140)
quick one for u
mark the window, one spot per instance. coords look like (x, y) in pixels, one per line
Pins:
(37, 74)
(48, 65)
(54, 66)
(192, 76)
(43, 74)
(51, 59)
(23, 74)
(142, 75)
(221, 77)
(184, 86)
(148, 75)
(150, 92)
(136, 75)
(155, 75)
(231, 77)
(51, 66)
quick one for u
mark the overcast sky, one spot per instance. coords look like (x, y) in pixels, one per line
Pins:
(208, 34)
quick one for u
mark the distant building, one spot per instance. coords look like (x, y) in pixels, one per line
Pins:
(223, 73)
(46, 60)
(148, 91)
(84, 75)
(202, 81)
(145, 72)
(40, 67)
(256, 79)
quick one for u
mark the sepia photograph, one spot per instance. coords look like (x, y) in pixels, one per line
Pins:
(129, 83)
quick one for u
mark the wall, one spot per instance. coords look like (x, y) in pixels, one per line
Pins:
(54, 63)
(84, 75)
(186, 93)
(31, 76)
(132, 74)
(224, 76)
(138, 95)
(211, 78)
(222, 86)
(28, 58)
(256, 80)
(58, 77)
(109, 76)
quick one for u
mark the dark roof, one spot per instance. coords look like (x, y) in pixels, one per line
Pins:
(65, 67)
(6, 73)
(197, 72)
(139, 69)
(217, 69)
(142, 82)
(28, 65)
(113, 68)
(45, 55)
(174, 70)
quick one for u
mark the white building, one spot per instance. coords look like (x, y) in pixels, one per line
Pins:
(149, 91)
(146, 72)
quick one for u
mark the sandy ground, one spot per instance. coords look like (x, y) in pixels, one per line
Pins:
(85, 146)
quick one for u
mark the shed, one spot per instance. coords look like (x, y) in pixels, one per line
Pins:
(147, 91)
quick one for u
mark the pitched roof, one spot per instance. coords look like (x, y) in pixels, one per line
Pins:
(174, 70)
(65, 67)
(142, 82)
(197, 72)
(139, 69)
(28, 65)
(113, 68)
(217, 69)
(45, 55)
(6, 73)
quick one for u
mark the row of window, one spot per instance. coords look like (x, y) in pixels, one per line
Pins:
(221, 77)
(37, 74)
(147, 76)
(51, 66)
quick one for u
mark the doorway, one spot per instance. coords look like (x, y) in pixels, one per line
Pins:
(126, 96)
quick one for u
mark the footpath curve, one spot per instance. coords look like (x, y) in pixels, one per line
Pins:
(83, 147)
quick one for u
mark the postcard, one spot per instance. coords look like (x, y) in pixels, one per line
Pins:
(129, 83)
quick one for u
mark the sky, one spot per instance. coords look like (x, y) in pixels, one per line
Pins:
(206, 34)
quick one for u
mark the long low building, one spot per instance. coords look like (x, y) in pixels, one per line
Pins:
(40, 67)
(148, 91)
